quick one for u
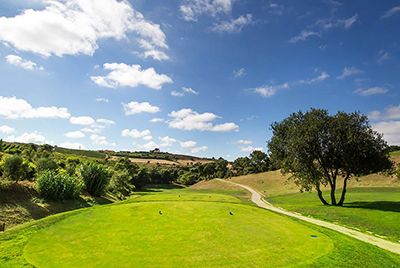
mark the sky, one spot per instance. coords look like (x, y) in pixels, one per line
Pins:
(198, 77)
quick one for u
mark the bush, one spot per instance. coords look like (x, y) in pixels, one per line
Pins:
(188, 178)
(53, 186)
(14, 167)
(46, 163)
(119, 183)
(95, 176)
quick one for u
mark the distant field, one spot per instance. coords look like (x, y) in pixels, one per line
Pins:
(154, 161)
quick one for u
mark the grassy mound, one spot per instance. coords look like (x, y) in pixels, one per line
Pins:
(176, 230)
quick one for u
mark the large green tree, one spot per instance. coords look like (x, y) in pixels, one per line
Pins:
(320, 149)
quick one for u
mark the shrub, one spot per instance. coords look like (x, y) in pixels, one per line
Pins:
(54, 186)
(119, 183)
(188, 178)
(95, 176)
(14, 167)
(46, 163)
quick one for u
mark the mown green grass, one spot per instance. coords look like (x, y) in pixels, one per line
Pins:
(194, 230)
(374, 209)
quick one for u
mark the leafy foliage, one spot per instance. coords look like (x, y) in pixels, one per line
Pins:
(14, 167)
(95, 176)
(55, 186)
(317, 148)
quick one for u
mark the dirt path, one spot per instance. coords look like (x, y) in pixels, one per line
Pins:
(390, 246)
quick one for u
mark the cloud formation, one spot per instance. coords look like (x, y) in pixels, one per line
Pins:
(232, 26)
(74, 135)
(123, 75)
(135, 107)
(187, 119)
(348, 71)
(371, 91)
(6, 129)
(73, 145)
(31, 138)
(390, 12)
(101, 140)
(13, 108)
(82, 120)
(74, 27)
(134, 133)
(25, 64)
(192, 9)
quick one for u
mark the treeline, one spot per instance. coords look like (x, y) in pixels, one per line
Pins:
(59, 176)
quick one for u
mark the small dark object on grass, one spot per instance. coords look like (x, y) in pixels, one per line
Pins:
(3, 227)
(230, 213)
(314, 236)
(160, 212)
(262, 181)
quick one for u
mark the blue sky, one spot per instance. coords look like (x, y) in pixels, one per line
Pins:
(198, 77)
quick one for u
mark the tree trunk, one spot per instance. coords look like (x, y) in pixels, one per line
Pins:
(341, 201)
(333, 198)
(320, 195)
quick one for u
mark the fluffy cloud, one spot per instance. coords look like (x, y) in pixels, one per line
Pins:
(149, 146)
(156, 120)
(72, 145)
(101, 140)
(166, 141)
(123, 75)
(193, 146)
(232, 26)
(187, 119)
(390, 131)
(190, 90)
(6, 129)
(74, 135)
(27, 65)
(134, 133)
(13, 108)
(135, 107)
(192, 9)
(82, 120)
(268, 91)
(177, 94)
(105, 121)
(349, 71)
(74, 27)
(391, 112)
(244, 142)
(371, 91)
(390, 12)
(250, 149)
(31, 138)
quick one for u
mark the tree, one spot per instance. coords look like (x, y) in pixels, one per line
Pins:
(14, 167)
(259, 161)
(318, 149)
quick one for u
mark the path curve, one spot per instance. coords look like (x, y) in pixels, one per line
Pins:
(382, 243)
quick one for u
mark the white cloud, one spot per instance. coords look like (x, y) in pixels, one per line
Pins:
(149, 146)
(320, 78)
(177, 94)
(188, 144)
(135, 107)
(6, 129)
(190, 90)
(166, 141)
(348, 71)
(73, 145)
(390, 12)
(323, 25)
(74, 27)
(304, 34)
(187, 119)
(82, 120)
(198, 149)
(74, 135)
(13, 108)
(102, 100)
(391, 112)
(250, 149)
(101, 140)
(123, 75)
(156, 120)
(239, 73)
(390, 131)
(371, 91)
(92, 130)
(25, 64)
(268, 91)
(147, 138)
(31, 138)
(244, 142)
(232, 26)
(105, 121)
(192, 9)
(134, 133)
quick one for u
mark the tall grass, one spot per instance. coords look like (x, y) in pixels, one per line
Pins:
(54, 186)
(95, 176)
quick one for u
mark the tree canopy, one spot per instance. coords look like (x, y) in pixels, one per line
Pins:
(318, 149)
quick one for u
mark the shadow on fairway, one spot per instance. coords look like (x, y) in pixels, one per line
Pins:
(154, 188)
(377, 205)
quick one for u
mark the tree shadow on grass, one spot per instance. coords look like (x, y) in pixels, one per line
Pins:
(376, 205)
(158, 188)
